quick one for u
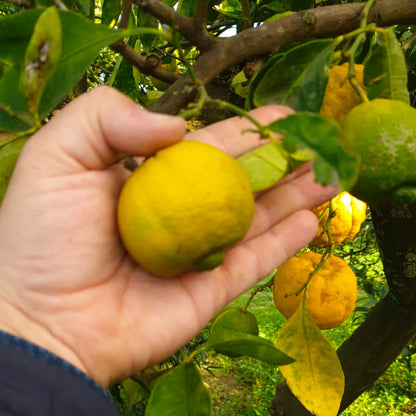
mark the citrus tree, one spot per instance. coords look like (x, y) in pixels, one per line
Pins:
(347, 68)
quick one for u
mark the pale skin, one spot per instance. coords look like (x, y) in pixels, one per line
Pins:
(66, 282)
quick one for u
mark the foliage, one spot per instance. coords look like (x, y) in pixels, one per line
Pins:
(140, 47)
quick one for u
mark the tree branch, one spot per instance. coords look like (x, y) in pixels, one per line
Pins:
(200, 13)
(184, 25)
(147, 65)
(125, 14)
(328, 21)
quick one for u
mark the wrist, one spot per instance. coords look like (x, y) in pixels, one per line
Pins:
(15, 322)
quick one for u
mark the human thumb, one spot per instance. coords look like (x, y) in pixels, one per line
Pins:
(92, 131)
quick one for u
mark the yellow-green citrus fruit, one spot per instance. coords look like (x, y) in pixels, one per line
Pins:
(182, 207)
(382, 133)
(340, 96)
(347, 216)
(331, 295)
(235, 319)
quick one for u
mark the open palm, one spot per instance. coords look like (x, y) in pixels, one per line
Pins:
(68, 285)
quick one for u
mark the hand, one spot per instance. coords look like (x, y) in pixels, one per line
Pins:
(66, 282)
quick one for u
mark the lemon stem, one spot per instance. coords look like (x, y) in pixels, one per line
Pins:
(269, 283)
(324, 259)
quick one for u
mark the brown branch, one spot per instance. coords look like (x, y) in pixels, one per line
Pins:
(147, 65)
(24, 4)
(125, 14)
(182, 24)
(328, 21)
(200, 12)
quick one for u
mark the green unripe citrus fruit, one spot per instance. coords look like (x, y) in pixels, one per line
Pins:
(382, 133)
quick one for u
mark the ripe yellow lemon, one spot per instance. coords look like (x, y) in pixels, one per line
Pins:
(382, 133)
(331, 295)
(340, 96)
(182, 207)
(348, 215)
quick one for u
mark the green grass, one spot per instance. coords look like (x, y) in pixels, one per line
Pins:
(244, 386)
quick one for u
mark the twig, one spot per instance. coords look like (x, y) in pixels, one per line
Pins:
(142, 63)
(125, 14)
(200, 13)
(183, 25)
(259, 289)
(60, 5)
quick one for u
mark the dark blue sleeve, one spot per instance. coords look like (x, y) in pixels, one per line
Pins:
(37, 383)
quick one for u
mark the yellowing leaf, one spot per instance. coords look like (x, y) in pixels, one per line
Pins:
(42, 55)
(315, 377)
(264, 166)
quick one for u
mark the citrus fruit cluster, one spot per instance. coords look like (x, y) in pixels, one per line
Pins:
(347, 215)
(331, 294)
(182, 207)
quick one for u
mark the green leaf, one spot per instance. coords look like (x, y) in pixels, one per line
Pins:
(278, 6)
(82, 40)
(134, 391)
(187, 7)
(236, 319)
(315, 377)
(14, 114)
(145, 20)
(385, 73)
(231, 8)
(41, 57)
(264, 166)
(240, 84)
(297, 5)
(85, 6)
(297, 78)
(111, 11)
(235, 343)
(332, 164)
(180, 392)
(8, 157)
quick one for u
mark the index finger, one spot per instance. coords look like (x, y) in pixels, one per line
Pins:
(233, 135)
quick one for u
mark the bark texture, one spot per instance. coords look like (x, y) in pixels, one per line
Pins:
(322, 22)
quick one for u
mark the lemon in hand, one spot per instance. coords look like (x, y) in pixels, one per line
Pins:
(182, 207)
